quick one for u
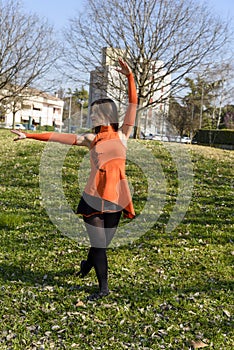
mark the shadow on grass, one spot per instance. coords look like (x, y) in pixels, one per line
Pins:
(146, 294)
(10, 272)
(46, 279)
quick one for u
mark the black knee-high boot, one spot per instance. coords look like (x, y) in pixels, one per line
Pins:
(100, 263)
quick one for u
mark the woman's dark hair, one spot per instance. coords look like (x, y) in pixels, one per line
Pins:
(97, 129)
(107, 107)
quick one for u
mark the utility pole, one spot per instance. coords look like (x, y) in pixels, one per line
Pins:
(201, 108)
(69, 114)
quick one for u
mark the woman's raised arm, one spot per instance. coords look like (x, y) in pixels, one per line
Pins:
(130, 115)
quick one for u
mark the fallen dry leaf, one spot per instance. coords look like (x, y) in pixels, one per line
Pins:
(198, 344)
(98, 321)
(79, 303)
(227, 313)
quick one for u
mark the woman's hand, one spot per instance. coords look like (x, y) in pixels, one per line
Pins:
(125, 69)
(20, 135)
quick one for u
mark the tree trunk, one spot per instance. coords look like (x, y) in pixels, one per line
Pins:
(13, 120)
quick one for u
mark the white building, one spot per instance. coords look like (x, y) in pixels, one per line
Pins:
(105, 81)
(37, 108)
(154, 119)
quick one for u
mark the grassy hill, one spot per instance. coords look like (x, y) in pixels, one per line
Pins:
(169, 290)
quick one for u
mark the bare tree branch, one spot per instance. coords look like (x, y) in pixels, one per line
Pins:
(27, 49)
(180, 34)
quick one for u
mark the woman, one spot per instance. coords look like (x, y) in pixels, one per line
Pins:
(106, 194)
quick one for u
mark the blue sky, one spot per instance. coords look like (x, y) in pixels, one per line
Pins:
(59, 11)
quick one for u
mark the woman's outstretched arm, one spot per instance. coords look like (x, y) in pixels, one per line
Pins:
(69, 139)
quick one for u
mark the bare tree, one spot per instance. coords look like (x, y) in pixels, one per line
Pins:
(179, 33)
(28, 51)
(223, 76)
(179, 117)
(207, 94)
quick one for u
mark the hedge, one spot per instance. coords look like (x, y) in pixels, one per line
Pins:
(215, 137)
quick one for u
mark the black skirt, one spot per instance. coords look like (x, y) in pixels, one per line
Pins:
(90, 205)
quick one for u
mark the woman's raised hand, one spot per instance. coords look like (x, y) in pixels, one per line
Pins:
(124, 67)
(20, 135)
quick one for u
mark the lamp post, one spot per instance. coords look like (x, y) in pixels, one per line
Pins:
(69, 114)
(81, 102)
(81, 113)
(201, 107)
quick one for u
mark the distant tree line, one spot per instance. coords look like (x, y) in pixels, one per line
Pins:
(204, 105)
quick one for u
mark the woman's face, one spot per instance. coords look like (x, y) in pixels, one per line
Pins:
(98, 118)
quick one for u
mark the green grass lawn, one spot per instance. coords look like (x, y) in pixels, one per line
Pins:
(169, 290)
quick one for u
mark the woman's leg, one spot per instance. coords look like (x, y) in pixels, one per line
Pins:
(101, 229)
(86, 265)
(95, 228)
(111, 221)
(97, 253)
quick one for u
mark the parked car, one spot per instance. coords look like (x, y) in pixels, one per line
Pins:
(20, 126)
(185, 139)
(174, 138)
(159, 137)
(31, 127)
(17, 126)
(147, 137)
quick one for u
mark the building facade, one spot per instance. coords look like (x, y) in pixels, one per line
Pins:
(105, 81)
(34, 108)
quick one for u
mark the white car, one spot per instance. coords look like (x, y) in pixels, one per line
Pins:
(20, 126)
(159, 137)
(185, 139)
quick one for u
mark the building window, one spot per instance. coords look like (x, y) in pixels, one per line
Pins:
(25, 106)
(36, 107)
(56, 110)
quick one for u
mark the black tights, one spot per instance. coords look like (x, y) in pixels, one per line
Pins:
(101, 229)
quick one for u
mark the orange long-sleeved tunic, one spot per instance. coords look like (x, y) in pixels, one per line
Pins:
(107, 181)
(107, 188)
